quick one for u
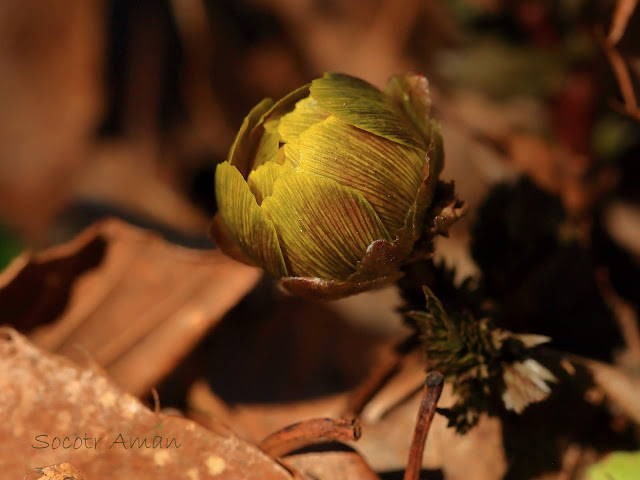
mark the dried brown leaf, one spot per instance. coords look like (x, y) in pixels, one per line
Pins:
(388, 421)
(44, 394)
(64, 471)
(121, 295)
(338, 465)
(129, 176)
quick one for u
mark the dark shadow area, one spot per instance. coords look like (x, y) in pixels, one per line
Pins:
(41, 290)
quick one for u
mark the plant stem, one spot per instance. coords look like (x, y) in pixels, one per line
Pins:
(430, 395)
(310, 432)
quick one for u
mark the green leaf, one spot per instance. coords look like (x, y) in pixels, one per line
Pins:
(10, 246)
(324, 228)
(386, 173)
(247, 223)
(242, 148)
(360, 104)
(616, 466)
(434, 306)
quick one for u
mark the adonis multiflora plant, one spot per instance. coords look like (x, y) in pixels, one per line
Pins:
(335, 189)
(328, 189)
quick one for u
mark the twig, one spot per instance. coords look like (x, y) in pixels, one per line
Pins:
(430, 396)
(619, 387)
(624, 314)
(623, 77)
(156, 400)
(310, 432)
(624, 9)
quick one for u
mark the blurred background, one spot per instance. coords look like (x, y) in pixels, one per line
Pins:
(113, 108)
(124, 108)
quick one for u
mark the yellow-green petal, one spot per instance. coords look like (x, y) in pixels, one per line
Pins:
(410, 92)
(306, 113)
(269, 144)
(261, 180)
(247, 223)
(266, 131)
(359, 103)
(386, 173)
(243, 146)
(324, 227)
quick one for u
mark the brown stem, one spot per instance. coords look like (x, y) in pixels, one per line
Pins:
(310, 432)
(430, 395)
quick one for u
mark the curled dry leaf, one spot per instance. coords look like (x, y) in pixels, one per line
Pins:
(110, 433)
(64, 471)
(121, 295)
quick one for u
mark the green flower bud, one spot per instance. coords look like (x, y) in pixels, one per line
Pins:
(327, 189)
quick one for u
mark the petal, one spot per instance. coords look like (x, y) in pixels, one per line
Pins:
(223, 239)
(243, 145)
(269, 144)
(266, 131)
(262, 179)
(306, 113)
(416, 220)
(410, 92)
(386, 173)
(359, 103)
(292, 153)
(247, 223)
(325, 228)
(436, 150)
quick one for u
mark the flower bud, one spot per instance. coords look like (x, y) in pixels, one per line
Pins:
(327, 189)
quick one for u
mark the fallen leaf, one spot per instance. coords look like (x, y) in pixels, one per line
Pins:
(64, 471)
(121, 296)
(46, 398)
(388, 421)
(128, 176)
(332, 465)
